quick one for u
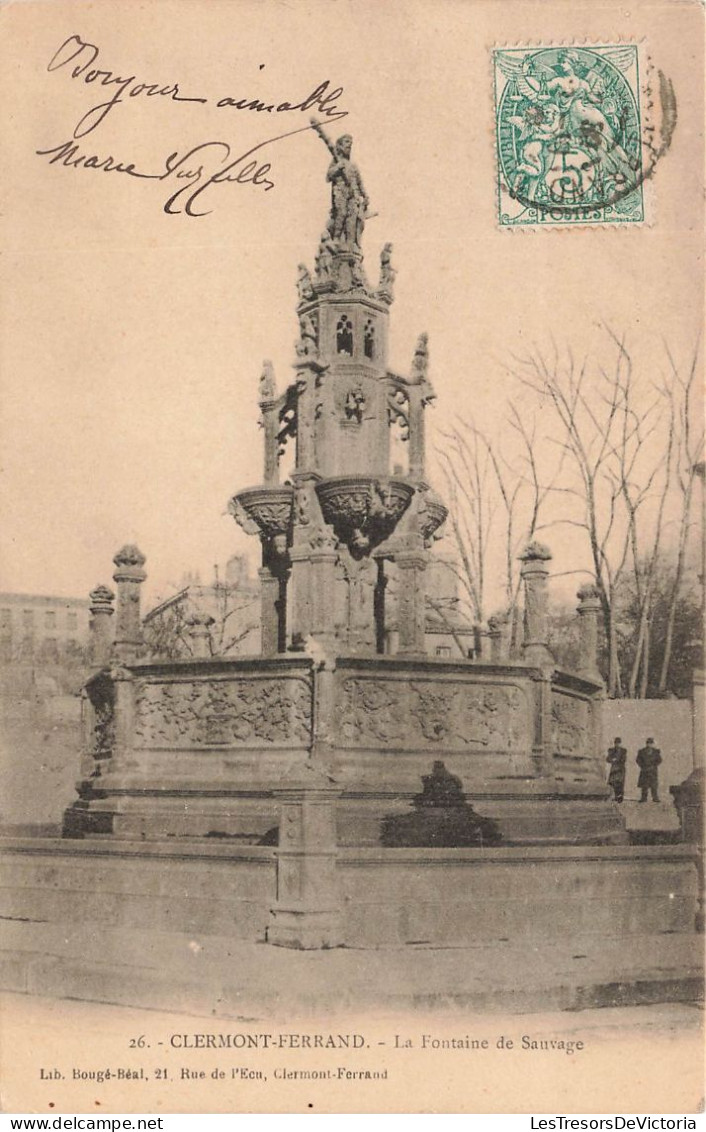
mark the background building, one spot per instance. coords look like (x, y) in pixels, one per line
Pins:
(233, 604)
(36, 628)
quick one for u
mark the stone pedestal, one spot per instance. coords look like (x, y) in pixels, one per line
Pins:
(128, 577)
(306, 914)
(499, 629)
(101, 639)
(199, 626)
(535, 648)
(589, 610)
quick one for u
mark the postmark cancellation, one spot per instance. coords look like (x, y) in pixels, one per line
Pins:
(570, 135)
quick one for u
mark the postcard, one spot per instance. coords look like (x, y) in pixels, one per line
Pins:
(352, 614)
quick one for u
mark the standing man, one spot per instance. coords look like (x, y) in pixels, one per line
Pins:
(648, 760)
(616, 775)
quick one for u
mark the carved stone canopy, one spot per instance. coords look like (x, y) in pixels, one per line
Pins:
(269, 508)
(363, 510)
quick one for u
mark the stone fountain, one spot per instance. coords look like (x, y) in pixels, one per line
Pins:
(267, 797)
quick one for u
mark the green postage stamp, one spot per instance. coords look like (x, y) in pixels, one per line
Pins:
(569, 135)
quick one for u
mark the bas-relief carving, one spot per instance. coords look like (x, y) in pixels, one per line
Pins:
(424, 712)
(197, 713)
(570, 729)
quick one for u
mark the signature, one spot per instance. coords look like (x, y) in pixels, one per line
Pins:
(84, 56)
(190, 174)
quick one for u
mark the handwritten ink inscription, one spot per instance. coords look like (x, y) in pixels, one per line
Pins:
(191, 173)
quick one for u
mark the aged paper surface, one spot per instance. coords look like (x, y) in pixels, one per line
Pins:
(138, 303)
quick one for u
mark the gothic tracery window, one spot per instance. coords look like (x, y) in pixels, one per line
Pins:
(344, 336)
(369, 339)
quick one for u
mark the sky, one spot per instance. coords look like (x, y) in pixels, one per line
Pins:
(132, 340)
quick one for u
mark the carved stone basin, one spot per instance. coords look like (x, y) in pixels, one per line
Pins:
(432, 514)
(264, 510)
(363, 510)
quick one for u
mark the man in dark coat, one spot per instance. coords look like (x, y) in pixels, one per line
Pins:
(648, 760)
(616, 775)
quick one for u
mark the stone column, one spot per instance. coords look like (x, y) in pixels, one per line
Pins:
(306, 914)
(411, 601)
(323, 581)
(101, 638)
(122, 758)
(589, 609)
(416, 432)
(499, 634)
(269, 611)
(534, 574)
(199, 633)
(361, 575)
(270, 423)
(306, 412)
(301, 600)
(128, 576)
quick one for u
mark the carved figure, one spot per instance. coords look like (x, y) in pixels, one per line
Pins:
(303, 507)
(355, 404)
(305, 286)
(349, 200)
(387, 271)
(307, 346)
(420, 362)
(268, 387)
(324, 258)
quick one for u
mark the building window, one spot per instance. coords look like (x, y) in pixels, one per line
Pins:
(5, 618)
(28, 620)
(344, 336)
(50, 619)
(72, 620)
(50, 650)
(369, 339)
(443, 650)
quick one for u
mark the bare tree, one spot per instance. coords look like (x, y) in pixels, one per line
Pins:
(687, 415)
(235, 615)
(465, 465)
(495, 502)
(625, 440)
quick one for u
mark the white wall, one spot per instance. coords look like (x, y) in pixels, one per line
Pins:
(668, 721)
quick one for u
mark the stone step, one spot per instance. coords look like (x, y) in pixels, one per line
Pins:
(650, 816)
(227, 977)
